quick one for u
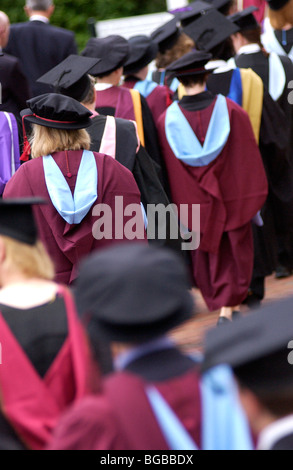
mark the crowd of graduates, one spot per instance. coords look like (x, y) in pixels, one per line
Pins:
(105, 154)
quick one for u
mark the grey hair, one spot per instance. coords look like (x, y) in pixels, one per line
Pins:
(38, 5)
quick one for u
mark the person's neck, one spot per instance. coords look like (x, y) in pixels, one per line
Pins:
(43, 13)
(109, 79)
(195, 89)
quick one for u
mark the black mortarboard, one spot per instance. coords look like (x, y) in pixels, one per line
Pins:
(221, 5)
(142, 51)
(245, 19)
(133, 292)
(256, 347)
(166, 35)
(70, 77)
(210, 30)
(191, 12)
(57, 111)
(276, 4)
(17, 219)
(192, 63)
(113, 51)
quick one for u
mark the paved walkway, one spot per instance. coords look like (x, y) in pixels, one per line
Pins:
(191, 334)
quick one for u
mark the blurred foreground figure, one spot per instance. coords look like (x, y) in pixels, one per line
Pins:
(259, 350)
(132, 297)
(45, 359)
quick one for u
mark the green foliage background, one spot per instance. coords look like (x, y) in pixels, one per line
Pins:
(73, 14)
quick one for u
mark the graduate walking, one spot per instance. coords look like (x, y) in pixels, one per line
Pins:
(209, 149)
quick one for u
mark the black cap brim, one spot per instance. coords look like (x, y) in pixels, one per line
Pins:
(30, 117)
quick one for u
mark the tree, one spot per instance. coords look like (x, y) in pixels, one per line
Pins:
(74, 14)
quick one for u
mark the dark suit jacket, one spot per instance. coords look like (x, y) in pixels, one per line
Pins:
(14, 85)
(15, 89)
(39, 47)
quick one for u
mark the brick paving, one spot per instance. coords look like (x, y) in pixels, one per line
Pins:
(191, 334)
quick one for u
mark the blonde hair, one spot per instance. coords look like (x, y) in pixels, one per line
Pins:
(282, 17)
(32, 261)
(46, 140)
(183, 45)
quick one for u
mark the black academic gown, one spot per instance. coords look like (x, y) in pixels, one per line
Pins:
(54, 323)
(283, 202)
(146, 172)
(285, 38)
(273, 142)
(106, 103)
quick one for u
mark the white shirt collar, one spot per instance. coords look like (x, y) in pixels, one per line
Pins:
(220, 66)
(274, 432)
(249, 49)
(39, 18)
(103, 86)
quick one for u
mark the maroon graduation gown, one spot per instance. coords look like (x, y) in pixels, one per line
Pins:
(124, 420)
(69, 244)
(33, 405)
(230, 191)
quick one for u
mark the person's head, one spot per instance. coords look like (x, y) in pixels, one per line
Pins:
(212, 33)
(191, 70)
(133, 293)
(113, 77)
(257, 348)
(43, 7)
(59, 123)
(22, 254)
(4, 29)
(113, 53)
(142, 51)
(183, 45)
(172, 43)
(249, 29)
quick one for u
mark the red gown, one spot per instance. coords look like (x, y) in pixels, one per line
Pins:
(32, 404)
(230, 191)
(125, 420)
(68, 244)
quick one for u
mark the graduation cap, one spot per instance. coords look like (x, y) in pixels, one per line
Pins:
(133, 292)
(192, 11)
(57, 111)
(166, 35)
(256, 347)
(192, 63)
(142, 51)
(210, 30)
(70, 77)
(17, 219)
(245, 19)
(113, 51)
(222, 6)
